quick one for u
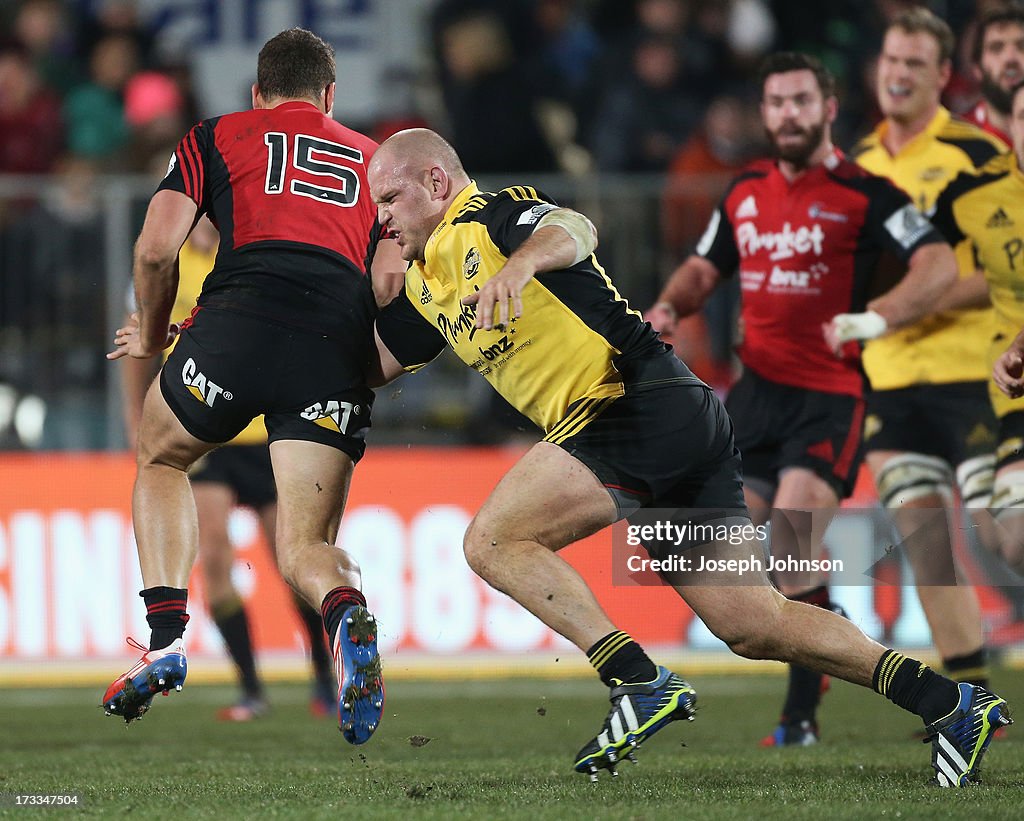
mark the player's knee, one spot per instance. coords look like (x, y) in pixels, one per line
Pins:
(479, 547)
(753, 643)
(912, 477)
(755, 637)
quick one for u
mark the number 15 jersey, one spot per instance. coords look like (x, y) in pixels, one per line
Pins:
(286, 187)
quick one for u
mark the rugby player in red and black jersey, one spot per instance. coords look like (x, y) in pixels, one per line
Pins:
(283, 327)
(805, 231)
(998, 65)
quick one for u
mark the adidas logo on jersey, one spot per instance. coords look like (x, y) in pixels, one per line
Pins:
(747, 208)
(425, 295)
(999, 219)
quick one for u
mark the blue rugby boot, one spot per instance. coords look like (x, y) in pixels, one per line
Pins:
(959, 740)
(158, 671)
(638, 712)
(360, 683)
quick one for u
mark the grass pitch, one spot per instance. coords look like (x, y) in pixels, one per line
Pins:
(500, 749)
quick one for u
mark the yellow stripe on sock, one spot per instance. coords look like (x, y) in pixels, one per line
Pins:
(608, 649)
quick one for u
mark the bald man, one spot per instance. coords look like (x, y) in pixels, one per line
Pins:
(509, 280)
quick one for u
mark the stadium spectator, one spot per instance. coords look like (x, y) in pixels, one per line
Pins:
(490, 92)
(696, 178)
(511, 283)
(647, 113)
(998, 57)
(55, 304)
(805, 232)
(285, 184)
(44, 28)
(929, 420)
(94, 111)
(240, 473)
(31, 129)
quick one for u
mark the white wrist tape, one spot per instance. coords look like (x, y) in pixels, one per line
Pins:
(867, 325)
(576, 226)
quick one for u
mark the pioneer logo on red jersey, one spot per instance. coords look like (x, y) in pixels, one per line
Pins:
(784, 244)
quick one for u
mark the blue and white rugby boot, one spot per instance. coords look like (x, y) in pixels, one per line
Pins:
(360, 683)
(638, 712)
(158, 671)
(959, 740)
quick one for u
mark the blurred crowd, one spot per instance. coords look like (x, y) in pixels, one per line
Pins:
(527, 85)
(659, 88)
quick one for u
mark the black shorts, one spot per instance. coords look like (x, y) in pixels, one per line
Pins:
(953, 422)
(246, 469)
(780, 426)
(1011, 439)
(228, 368)
(667, 443)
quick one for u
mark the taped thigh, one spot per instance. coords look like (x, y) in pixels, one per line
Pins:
(975, 478)
(911, 476)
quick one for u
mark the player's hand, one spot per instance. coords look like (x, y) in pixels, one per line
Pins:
(843, 328)
(129, 343)
(663, 319)
(1008, 374)
(503, 288)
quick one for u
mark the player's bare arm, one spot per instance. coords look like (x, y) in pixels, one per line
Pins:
(563, 238)
(685, 293)
(932, 272)
(169, 221)
(966, 292)
(387, 272)
(1008, 371)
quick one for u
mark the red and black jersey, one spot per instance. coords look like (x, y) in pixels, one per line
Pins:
(287, 189)
(979, 116)
(806, 251)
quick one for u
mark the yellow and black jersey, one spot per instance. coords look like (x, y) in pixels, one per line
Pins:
(987, 209)
(567, 349)
(951, 346)
(193, 266)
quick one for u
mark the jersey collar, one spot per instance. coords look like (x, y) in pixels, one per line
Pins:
(450, 215)
(1015, 168)
(295, 105)
(922, 140)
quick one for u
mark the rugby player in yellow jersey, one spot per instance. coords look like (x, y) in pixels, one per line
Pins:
(988, 209)
(928, 416)
(509, 280)
(237, 474)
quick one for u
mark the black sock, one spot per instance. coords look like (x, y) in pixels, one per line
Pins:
(909, 684)
(233, 623)
(618, 657)
(804, 692)
(334, 606)
(323, 668)
(165, 612)
(972, 668)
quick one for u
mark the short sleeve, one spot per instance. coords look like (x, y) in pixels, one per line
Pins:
(186, 169)
(412, 340)
(718, 243)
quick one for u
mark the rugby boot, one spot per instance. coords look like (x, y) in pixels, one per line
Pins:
(638, 712)
(960, 739)
(360, 683)
(158, 671)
